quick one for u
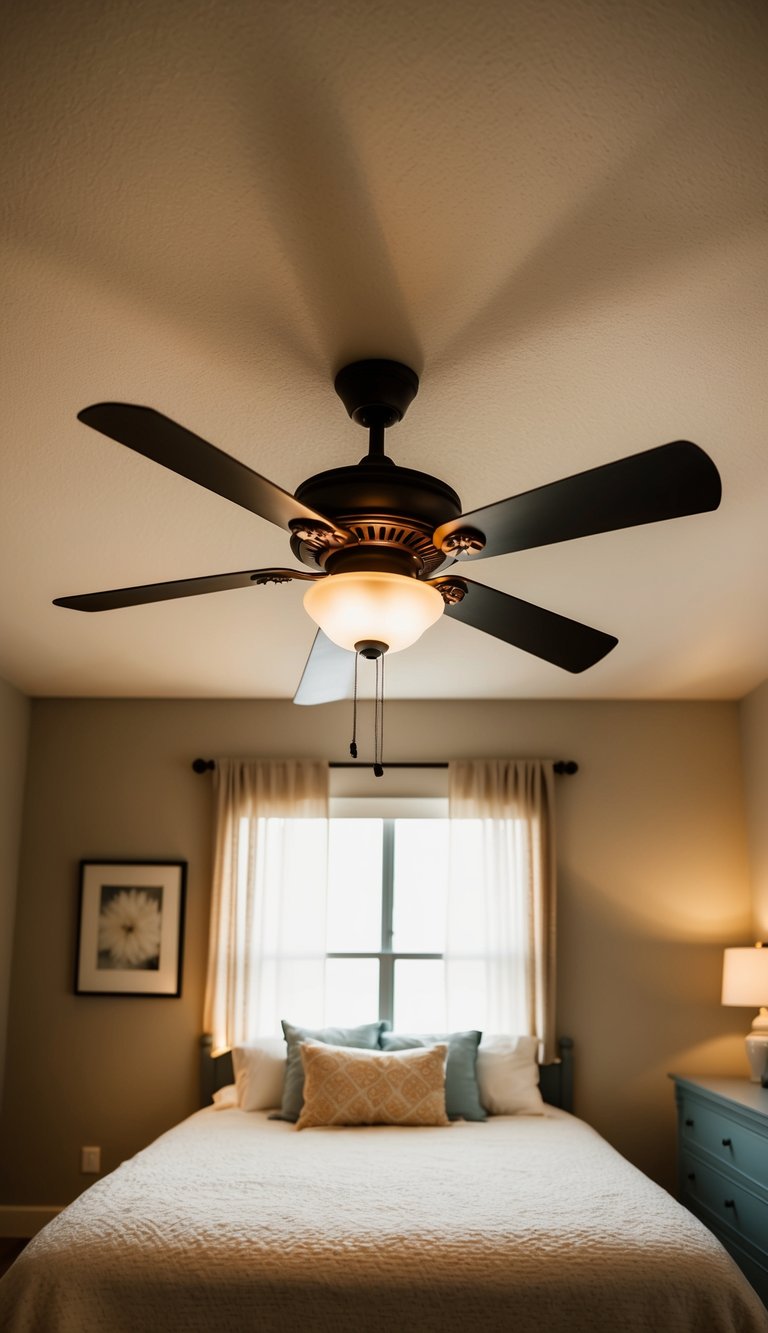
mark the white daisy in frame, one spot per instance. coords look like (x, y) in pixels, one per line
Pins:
(130, 927)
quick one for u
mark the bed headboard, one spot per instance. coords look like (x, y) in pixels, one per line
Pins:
(555, 1080)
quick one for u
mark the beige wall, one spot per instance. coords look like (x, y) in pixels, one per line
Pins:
(754, 745)
(653, 879)
(14, 725)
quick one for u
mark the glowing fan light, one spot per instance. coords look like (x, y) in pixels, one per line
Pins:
(373, 607)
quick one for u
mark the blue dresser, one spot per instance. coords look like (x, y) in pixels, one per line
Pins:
(722, 1141)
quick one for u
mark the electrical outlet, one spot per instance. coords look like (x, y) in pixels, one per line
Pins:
(90, 1161)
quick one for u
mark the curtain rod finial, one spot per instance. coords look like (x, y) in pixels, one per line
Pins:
(203, 765)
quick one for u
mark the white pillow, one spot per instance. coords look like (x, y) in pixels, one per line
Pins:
(225, 1097)
(259, 1067)
(508, 1075)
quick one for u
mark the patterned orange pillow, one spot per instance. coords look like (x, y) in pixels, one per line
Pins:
(344, 1085)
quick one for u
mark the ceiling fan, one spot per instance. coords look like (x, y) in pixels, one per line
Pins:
(380, 541)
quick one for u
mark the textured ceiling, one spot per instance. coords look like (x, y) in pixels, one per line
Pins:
(554, 211)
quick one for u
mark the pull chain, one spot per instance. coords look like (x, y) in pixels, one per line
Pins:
(373, 651)
(378, 720)
(353, 742)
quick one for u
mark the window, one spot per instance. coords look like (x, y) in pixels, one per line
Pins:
(386, 921)
(390, 924)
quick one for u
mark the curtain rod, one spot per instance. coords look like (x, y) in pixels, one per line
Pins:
(566, 766)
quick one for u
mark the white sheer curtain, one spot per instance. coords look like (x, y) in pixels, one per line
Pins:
(266, 953)
(500, 944)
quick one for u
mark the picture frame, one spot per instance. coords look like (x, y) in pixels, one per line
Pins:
(130, 928)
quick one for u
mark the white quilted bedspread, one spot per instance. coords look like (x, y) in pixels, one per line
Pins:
(232, 1222)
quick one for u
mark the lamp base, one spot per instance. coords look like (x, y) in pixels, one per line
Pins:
(757, 1054)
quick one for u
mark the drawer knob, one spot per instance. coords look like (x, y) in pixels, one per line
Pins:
(729, 1203)
(691, 1175)
(726, 1143)
(689, 1124)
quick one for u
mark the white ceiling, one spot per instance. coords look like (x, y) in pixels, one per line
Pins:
(554, 210)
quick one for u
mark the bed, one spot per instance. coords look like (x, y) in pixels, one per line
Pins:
(233, 1221)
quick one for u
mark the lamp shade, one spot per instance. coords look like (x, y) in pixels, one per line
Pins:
(387, 608)
(745, 977)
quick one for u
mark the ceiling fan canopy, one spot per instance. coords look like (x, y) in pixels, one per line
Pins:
(381, 541)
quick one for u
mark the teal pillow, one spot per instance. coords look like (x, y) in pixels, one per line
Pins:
(366, 1037)
(462, 1096)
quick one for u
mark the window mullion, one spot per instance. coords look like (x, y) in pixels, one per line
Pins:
(387, 967)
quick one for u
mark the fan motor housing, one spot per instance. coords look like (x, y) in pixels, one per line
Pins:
(392, 511)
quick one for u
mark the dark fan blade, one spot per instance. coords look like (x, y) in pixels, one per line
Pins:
(157, 437)
(164, 592)
(327, 675)
(565, 643)
(667, 482)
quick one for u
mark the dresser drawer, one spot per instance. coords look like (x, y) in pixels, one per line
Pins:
(725, 1200)
(734, 1145)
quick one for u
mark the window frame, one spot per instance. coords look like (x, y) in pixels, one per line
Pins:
(387, 956)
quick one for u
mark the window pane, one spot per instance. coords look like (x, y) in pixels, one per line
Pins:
(467, 994)
(354, 886)
(421, 873)
(351, 991)
(419, 995)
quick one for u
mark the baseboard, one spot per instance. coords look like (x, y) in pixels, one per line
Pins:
(25, 1220)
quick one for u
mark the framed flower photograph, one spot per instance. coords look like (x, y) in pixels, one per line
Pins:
(130, 928)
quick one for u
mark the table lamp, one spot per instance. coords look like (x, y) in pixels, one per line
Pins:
(745, 983)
